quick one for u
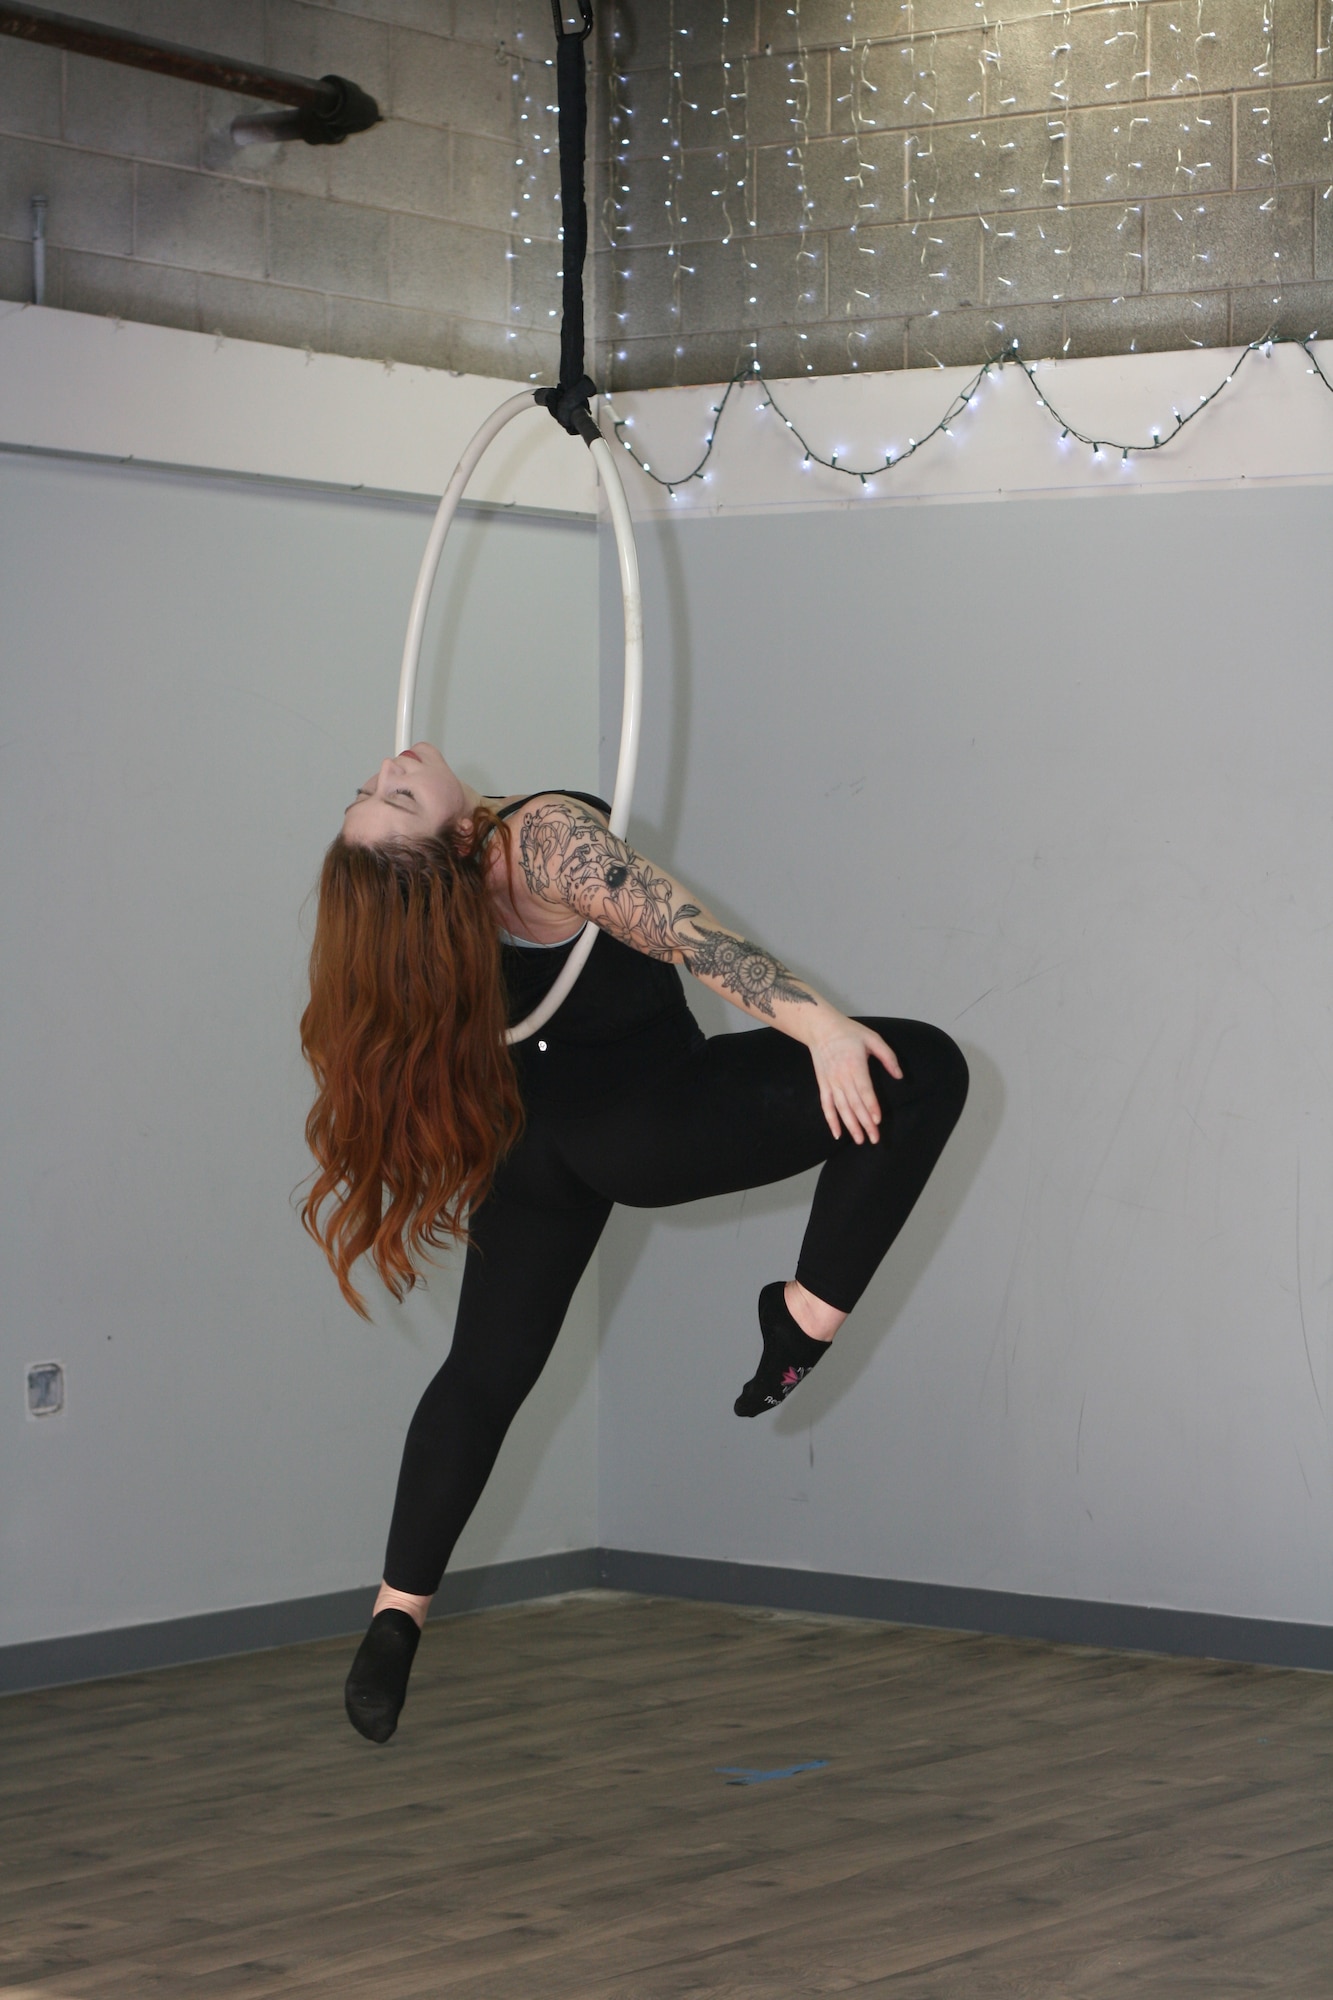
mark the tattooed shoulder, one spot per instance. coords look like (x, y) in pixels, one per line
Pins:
(564, 842)
(570, 856)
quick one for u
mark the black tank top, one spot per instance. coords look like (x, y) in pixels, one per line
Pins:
(619, 992)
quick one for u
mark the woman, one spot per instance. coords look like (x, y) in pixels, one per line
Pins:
(441, 916)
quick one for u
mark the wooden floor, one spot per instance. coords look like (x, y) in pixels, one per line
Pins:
(994, 1818)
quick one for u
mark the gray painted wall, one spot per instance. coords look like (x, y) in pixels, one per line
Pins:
(196, 675)
(1054, 776)
(1050, 775)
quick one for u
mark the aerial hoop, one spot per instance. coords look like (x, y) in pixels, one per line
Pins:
(632, 601)
(567, 401)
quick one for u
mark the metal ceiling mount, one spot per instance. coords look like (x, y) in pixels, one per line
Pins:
(562, 33)
(320, 111)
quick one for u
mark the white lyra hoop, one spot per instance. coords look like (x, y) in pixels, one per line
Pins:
(632, 600)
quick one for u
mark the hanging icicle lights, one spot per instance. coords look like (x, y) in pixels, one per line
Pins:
(1160, 435)
(896, 183)
(531, 254)
(863, 290)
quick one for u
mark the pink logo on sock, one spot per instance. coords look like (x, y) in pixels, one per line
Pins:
(790, 1377)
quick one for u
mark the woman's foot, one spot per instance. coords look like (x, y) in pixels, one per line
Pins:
(820, 1321)
(789, 1351)
(377, 1685)
(389, 1599)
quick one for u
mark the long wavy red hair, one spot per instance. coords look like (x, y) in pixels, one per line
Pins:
(405, 1032)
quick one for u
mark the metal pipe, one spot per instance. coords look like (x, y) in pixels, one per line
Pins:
(332, 106)
(39, 249)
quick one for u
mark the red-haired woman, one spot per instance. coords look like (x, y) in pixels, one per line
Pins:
(443, 916)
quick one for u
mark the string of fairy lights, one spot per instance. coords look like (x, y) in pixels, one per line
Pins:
(1160, 435)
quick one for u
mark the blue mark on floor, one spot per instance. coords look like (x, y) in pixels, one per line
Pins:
(736, 1775)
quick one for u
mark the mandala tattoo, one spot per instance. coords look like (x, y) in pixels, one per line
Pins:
(568, 855)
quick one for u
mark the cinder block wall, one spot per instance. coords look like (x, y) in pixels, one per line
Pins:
(837, 184)
(432, 238)
(820, 184)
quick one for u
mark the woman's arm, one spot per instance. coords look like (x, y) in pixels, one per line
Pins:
(572, 860)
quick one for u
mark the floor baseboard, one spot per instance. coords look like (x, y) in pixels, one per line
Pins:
(1067, 1621)
(1063, 1621)
(254, 1628)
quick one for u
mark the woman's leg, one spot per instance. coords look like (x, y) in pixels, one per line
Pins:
(866, 1193)
(531, 1242)
(743, 1110)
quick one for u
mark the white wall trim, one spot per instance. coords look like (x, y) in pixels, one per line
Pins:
(115, 389)
(1272, 426)
(416, 503)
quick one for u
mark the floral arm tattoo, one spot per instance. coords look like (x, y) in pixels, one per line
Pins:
(569, 856)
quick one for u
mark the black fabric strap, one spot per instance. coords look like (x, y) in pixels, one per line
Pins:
(568, 401)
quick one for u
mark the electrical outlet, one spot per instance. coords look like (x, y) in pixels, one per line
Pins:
(46, 1389)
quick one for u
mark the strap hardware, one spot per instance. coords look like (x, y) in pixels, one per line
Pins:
(564, 34)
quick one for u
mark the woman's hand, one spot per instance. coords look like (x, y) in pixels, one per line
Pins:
(842, 1052)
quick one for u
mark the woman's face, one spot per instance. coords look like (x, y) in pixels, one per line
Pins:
(410, 797)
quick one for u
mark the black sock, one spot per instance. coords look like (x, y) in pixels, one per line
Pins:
(377, 1685)
(789, 1355)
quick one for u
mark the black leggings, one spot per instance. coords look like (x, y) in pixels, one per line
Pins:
(736, 1111)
